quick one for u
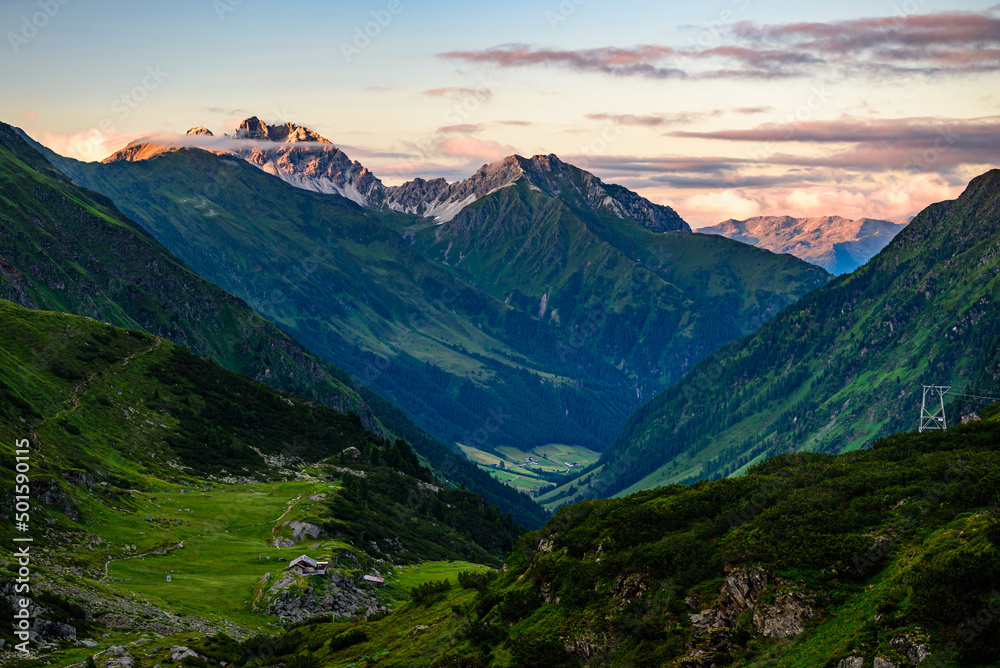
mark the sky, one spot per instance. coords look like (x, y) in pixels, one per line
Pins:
(721, 109)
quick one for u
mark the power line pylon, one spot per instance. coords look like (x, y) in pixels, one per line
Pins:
(936, 418)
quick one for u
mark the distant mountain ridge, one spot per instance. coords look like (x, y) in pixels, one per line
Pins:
(322, 167)
(837, 244)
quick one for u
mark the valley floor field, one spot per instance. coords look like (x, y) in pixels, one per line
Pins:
(549, 463)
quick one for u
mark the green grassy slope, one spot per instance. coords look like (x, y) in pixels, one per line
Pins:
(650, 303)
(68, 249)
(878, 553)
(146, 459)
(840, 367)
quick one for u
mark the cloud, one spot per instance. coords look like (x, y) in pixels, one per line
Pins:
(475, 150)
(942, 43)
(225, 112)
(916, 143)
(656, 120)
(483, 93)
(86, 145)
(633, 61)
(461, 128)
(888, 201)
(749, 111)
(29, 115)
(518, 123)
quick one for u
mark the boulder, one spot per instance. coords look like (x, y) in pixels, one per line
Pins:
(179, 653)
(910, 647)
(53, 630)
(302, 529)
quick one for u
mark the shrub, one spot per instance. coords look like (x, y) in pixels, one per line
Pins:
(429, 592)
(475, 580)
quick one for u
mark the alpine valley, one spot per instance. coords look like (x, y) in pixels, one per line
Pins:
(265, 408)
(543, 305)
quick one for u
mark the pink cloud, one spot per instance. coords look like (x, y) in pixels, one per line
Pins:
(473, 149)
(460, 91)
(461, 128)
(87, 145)
(888, 201)
(948, 42)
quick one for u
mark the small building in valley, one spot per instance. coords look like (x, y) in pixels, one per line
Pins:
(306, 565)
(375, 580)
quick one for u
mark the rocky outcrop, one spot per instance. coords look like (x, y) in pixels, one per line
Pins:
(713, 650)
(301, 530)
(116, 656)
(200, 131)
(851, 662)
(589, 645)
(911, 646)
(295, 598)
(179, 653)
(741, 593)
(51, 494)
(53, 631)
(784, 618)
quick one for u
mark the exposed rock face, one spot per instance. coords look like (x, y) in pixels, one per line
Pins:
(53, 630)
(179, 653)
(296, 598)
(911, 647)
(741, 593)
(851, 662)
(320, 166)
(200, 131)
(713, 650)
(302, 529)
(882, 662)
(588, 645)
(837, 244)
(50, 493)
(784, 618)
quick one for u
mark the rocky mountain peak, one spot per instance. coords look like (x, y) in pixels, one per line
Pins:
(199, 130)
(254, 128)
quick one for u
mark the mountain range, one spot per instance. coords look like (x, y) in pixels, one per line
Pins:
(63, 248)
(837, 244)
(560, 315)
(307, 160)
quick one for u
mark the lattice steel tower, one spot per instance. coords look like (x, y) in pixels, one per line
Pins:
(934, 419)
